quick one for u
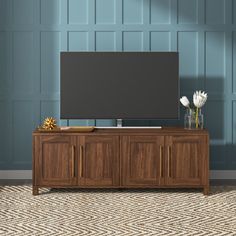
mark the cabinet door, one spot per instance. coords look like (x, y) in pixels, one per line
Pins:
(55, 160)
(185, 160)
(142, 160)
(98, 160)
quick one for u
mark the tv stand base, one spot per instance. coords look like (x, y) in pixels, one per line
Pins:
(145, 157)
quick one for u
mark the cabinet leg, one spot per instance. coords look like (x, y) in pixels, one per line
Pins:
(206, 190)
(35, 190)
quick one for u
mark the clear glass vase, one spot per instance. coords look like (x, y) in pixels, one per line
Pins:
(193, 119)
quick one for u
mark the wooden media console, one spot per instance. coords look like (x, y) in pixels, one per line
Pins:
(121, 158)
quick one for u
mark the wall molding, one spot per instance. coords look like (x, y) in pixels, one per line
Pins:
(15, 174)
(27, 174)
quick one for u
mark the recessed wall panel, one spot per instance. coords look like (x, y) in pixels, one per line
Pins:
(234, 12)
(215, 12)
(23, 62)
(50, 109)
(105, 41)
(133, 11)
(187, 11)
(214, 112)
(234, 62)
(50, 12)
(3, 62)
(23, 11)
(50, 61)
(133, 41)
(215, 62)
(78, 41)
(5, 131)
(3, 13)
(23, 126)
(105, 11)
(234, 122)
(160, 11)
(77, 11)
(188, 60)
(160, 41)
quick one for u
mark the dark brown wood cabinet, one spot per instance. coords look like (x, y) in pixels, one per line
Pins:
(98, 160)
(185, 160)
(142, 160)
(121, 158)
(55, 160)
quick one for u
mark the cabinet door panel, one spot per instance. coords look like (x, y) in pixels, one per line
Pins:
(56, 161)
(99, 160)
(142, 160)
(185, 160)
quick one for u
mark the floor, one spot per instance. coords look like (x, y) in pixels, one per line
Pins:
(111, 212)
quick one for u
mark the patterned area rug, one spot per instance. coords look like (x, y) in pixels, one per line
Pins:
(116, 212)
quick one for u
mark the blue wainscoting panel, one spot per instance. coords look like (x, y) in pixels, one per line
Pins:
(50, 109)
(160, 11)
(3, 62)
(23, 124)
(234, 122)
(187, 11)
(50, 48)
(160, 41)
(3, 13)
(50, 12)
(5, 137)
(33, 33)
(105, 41)
(133, 11)
(23, 54)
(215, 12)
(105, 12)
(20, 15)
(77, 12)
(78, 41)
(234, 62)
(215, 62)
(133, 41)
(215, 119)
(188, 60)
(234, 12)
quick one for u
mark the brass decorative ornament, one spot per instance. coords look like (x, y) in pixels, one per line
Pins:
(49, 123)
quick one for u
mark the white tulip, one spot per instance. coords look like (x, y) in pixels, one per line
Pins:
(199, 99)
(185, 102)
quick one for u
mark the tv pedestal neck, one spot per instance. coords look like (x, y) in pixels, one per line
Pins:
(121, 158)
(119, 123)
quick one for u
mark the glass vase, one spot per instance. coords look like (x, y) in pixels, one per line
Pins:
(193, 119)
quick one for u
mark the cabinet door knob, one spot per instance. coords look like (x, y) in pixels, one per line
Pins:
(169, 159)
(73, 160)
(81, 160)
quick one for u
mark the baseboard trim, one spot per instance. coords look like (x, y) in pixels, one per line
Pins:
(15, 174)
(223, 174)
(27, 174)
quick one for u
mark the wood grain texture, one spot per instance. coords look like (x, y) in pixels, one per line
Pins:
(100, 160)
(122, 158)
(141, 159)
(186, 155)
(54, 160)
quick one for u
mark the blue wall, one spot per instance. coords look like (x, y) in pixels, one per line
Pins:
(33, 32)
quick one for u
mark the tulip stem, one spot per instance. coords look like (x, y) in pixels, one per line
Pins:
(197, 117)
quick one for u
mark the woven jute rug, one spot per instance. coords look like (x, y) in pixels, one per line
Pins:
(115, 212)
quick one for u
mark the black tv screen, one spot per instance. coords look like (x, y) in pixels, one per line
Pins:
(119, 85)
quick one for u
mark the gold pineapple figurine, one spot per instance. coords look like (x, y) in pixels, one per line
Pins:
(49, 123)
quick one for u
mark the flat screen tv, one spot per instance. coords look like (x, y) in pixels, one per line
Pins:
(119, 85)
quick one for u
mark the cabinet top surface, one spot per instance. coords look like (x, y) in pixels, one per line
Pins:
(133, 130)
